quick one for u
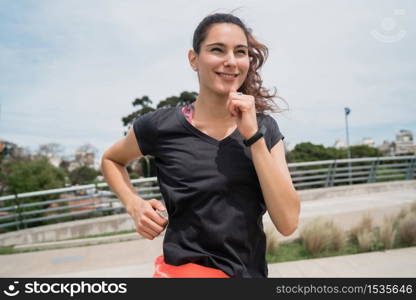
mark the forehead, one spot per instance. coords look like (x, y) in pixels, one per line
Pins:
(225, 33)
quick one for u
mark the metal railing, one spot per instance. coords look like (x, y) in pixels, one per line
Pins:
(58, 205)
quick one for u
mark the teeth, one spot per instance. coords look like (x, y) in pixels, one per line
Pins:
(226, 75)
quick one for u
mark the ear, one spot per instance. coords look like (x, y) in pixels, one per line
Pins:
(193, 59)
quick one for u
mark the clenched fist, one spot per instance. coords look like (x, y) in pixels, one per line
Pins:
(149, 222)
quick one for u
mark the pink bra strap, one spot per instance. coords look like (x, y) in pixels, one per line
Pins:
(187, 110)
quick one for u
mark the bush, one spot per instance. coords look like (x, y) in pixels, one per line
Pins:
(365, 240)
(365, 225)
(407, 228)
(272, 241)
(388, 233)
(320, 235)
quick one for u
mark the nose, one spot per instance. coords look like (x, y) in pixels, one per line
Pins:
(230, 59)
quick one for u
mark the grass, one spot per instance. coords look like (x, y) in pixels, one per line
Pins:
(7, 250)
(292, 251)
(295, 250)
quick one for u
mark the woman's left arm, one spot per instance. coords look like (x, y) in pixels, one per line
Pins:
(280, 196)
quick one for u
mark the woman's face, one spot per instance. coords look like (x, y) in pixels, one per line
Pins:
(224, 51)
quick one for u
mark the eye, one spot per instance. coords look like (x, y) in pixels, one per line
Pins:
(213, 49)
(242, 51)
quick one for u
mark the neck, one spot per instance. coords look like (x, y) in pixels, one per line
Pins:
(211, 107)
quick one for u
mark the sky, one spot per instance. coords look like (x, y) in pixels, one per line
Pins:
(70, 70)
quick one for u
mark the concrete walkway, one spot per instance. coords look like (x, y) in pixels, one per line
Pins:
(135, 258)
(126, 261)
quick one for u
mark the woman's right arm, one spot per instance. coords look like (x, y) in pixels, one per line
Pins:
(113, 166)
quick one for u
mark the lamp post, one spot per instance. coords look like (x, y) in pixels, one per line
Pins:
(347, 112)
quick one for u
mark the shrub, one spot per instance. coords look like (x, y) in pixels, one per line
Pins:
(272, 241)
(402, 213)
(365, 240)
(407, 228)
(365, 225)
(388, 233)
(413, 207)
(320, 235)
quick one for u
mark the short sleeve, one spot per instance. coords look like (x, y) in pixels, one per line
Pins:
(145, 130)
(273, 131)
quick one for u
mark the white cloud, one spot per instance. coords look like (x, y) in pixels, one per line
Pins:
(73, 68)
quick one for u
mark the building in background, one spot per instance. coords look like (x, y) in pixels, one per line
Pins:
(387, 148)
(340, 144)
(404, 143)
(368, 141)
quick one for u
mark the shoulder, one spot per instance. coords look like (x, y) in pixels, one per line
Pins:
(267, 120)
(155, 116)
(160, 112)
(273, 133)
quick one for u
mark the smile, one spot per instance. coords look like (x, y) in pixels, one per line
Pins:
(227, 76)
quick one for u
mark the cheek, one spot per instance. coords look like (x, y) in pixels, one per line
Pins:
(245, 65)
(209, 65)
(245, 69)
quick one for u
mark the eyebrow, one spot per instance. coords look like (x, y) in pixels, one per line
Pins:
(223, 45)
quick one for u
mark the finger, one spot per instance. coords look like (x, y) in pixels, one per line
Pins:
(241, 105)
(145, 234)
(235, 96)
(233, 109)
(145, 228)
(152, 225)
(157, 204)
(155, 217)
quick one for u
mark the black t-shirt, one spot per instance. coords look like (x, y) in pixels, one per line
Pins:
(211, 191)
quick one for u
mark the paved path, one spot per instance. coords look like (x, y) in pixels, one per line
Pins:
(135, 258)
(391, 263)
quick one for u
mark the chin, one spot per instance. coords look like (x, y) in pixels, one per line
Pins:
(225, 90)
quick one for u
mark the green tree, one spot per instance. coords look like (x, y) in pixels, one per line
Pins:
(27, 175)
(310, 152)
(32, 175)
(83, 175)
(364, 151)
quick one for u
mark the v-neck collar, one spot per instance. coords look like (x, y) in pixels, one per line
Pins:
(201, 134)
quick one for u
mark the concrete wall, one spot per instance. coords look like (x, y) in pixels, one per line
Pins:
(121, 222)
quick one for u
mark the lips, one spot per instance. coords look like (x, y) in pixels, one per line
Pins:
(226, 75)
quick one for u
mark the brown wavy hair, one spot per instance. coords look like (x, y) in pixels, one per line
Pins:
(257, 52)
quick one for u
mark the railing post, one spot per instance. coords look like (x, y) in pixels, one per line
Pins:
(372, 175)
(330, 174)
(349, 170)
(334, 173)
(411, 168)
(18, 212)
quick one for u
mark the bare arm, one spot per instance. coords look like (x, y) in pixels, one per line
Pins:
(282, 200)
(113, 166)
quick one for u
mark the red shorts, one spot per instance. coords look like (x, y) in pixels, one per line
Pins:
(188, 270)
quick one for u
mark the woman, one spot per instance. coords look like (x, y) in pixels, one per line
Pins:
(220, 163)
